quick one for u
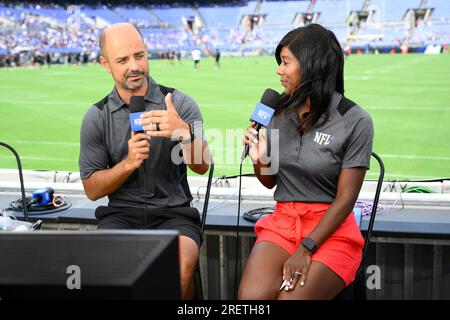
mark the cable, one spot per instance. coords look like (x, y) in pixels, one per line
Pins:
(237, 176)
(418, 189)
(216, 182)
(365, 206)
(219, 179)
(221, 202)
(19, 166)
(224, 200)
(58, 200)
(237, 232)
(34, 210)
(256, 214)
(145, 195)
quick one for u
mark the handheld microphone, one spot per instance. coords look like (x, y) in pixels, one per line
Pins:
(137, 107)
(263, 113)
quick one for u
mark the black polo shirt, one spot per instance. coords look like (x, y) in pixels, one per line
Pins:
(104, 136)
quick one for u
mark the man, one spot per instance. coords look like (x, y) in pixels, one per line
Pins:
(137, 171)
(217, 57)
(196, 56)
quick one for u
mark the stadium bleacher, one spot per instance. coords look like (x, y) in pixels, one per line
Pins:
(282, 14)
(46, 28)
(220, 16)
(393, 10)
(441, 10)
(173, 16)
(104, 14)
(405, 94)
(332, 11)
(138, 16)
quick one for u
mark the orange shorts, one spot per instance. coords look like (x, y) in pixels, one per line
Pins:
(291, 222)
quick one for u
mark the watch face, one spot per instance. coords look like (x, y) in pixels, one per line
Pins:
(309, 244)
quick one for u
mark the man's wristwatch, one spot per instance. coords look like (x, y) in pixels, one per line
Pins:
(310, 245)
(192, 137)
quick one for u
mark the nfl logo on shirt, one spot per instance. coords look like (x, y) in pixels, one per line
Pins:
(322, 138)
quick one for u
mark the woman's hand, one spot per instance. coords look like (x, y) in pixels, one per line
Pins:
(258, 146)
(296, 267)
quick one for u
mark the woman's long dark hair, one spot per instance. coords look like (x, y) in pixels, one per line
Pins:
(322, 72)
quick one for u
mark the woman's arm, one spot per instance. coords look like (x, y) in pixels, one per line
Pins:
(348, 188)
(269, 181)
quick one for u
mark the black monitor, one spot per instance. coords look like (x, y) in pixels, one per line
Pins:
(111, 264)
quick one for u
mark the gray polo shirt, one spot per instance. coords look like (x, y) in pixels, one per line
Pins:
(104, 143)
(309, 165)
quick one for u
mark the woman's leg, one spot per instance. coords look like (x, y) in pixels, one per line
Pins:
(262, 276)
(321, 283)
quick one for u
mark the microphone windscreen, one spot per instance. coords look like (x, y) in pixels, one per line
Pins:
(137, 104)
(270, 98)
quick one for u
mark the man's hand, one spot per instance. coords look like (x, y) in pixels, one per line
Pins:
(138, 150)
(165, 123)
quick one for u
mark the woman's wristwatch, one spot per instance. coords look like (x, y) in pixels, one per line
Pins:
(310, 245)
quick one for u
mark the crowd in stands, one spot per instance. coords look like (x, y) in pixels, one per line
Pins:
(33, 33)
(29, 38)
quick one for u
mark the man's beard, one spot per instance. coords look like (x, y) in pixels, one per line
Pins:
(134, 85)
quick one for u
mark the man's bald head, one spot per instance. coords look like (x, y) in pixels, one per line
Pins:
(124, 55)
(118, 29)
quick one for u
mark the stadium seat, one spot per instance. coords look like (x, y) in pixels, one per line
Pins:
(357, 289)
(197, 279)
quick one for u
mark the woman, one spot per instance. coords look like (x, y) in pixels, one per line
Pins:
(311, 246)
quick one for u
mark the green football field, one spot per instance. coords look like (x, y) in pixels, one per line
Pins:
(408, 98)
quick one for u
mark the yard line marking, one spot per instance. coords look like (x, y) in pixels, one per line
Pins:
(369, 173)
(50, 102)
(388, 108)
(56, 143)
(41, 158)
(399, 175)
(412, 157)
(385, 155)
(235, 150)
(425, 108)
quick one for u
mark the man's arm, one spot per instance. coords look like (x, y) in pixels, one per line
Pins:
(104, 182)
(196, 156)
